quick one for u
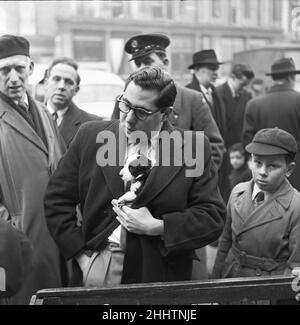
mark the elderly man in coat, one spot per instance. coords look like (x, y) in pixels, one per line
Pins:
(279, 107)
(30, 149)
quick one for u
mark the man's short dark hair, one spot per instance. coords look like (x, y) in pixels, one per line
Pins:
(154, 78)
(237, 147)
(64, 60)
(240, 70)
(147, 60)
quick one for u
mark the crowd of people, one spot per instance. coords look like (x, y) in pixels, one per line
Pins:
(70, 217)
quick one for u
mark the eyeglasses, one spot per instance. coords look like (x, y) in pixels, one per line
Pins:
(140, 113)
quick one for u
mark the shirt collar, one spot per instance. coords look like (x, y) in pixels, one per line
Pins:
(230, 85)
(206, 91)
(60, 112)
(256, 190)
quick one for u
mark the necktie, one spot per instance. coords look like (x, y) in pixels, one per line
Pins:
(23, 106)
(259, 198)
(54, 117)
(209, 95)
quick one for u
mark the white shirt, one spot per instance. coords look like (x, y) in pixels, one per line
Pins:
(208, 93)
(256, 190)
(60, 113)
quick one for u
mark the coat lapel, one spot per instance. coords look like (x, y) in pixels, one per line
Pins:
(112, 173)
(17, 122)
(70, 123)
(173, 117)
(271, 210)
(160, 176)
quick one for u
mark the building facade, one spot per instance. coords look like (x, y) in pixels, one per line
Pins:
(97, 30)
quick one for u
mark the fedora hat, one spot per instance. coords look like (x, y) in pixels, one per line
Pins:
(204, 57)
(281, 66)
(144, 44)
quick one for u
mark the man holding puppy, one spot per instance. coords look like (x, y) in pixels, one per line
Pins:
(173, 213)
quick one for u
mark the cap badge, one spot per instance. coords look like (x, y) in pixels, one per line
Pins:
(134, 44)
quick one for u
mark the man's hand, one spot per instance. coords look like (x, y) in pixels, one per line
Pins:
(138, 221)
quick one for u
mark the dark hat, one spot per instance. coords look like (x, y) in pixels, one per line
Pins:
(144, 44)
(13, 45)
(204, 57)
(281, 66)
(272, 141)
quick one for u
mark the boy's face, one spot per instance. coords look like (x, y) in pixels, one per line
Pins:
(237, 160)
(270, 171)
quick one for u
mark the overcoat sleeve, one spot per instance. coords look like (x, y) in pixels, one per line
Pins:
(202, 221)
(203, 120)
(224, 246)
(15, 256)
(61, 199)
(249, 124)
(294, 241)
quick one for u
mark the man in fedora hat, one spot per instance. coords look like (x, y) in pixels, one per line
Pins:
(30, 149)
(205, 66)
(189, 110)
(279, 107)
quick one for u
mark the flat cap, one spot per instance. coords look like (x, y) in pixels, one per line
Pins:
(272, 141)
(11, 45)
(144, 44)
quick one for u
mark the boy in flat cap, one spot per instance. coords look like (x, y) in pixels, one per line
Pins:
(30, 149)
(262, 231)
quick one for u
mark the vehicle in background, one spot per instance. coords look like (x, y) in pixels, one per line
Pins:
(98, 89)
(261, 59)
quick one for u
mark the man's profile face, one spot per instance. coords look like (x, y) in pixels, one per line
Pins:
(14, 73)
(138, 97)
(61, 86)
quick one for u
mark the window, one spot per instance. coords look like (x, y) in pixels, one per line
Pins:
(117, 9)
(89, 48)
(216, 8)
(157, 9)
(247, 8)
(187, 10)
(27, 17)
(276, 10)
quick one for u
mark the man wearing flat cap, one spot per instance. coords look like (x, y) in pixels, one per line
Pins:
(30, 149)
(190, 111)
(279, 107)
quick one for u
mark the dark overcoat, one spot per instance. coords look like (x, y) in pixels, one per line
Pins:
(191, 208)
(217, 109)
(72, 120)
(280, 107)
(234, 113)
